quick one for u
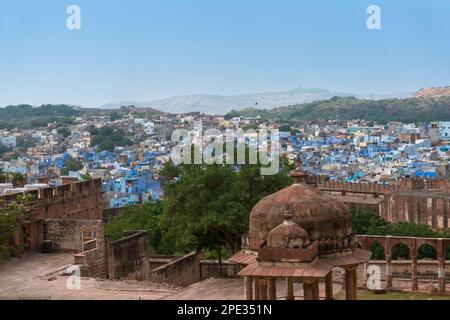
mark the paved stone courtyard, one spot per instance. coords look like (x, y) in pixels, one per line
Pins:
(37, 276)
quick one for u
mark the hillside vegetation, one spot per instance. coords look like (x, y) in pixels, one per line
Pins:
(348, 108)
(27, 116)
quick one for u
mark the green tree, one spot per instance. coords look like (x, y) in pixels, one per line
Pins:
(8, 227)
(71, 165)
(209, 206)
(140, 217)
(371, 224)
(18, 179)
(107, 138)
(64, 131)
(169, 171)
(115, 116)
(86, 177)
(3, 177)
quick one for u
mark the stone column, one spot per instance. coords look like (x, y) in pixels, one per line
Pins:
(248, 288)
(350, 283)
(387, 252)
(441, 267)
(365, 272)
(289, 288)
(413, 253)
(262, 289)
(311, 288)
(414, 283)
(256, 295)
(315, 287)
(272, 288)
(329, 286)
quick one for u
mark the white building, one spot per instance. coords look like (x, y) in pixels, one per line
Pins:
(444, 130)
(9, 141)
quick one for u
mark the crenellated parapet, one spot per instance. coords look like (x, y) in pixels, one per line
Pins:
(403, 184)
(79, 200)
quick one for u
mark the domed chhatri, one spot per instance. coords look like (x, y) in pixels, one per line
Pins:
(298, 234)
(288, 234)
(324, 218)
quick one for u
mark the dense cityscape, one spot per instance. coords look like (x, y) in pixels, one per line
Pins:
(128, 150)
(164, 150)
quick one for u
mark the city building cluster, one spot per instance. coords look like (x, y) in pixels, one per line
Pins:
(128, 150)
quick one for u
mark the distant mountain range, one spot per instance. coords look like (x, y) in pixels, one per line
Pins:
(221, 104)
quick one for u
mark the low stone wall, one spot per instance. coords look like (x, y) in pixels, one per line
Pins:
(128, 257)
(92, 263)
(210, 268)
(180, 272)
(30, 236)
(426, 270)
(159, 260)
(67, 235)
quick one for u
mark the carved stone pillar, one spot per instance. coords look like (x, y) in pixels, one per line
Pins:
(414, 282)
(272, 288)
(262, 289)
(289, 288)
(248, 288)
(343, 278)
(413, 254)
(315, 293)
(350, 283)
(441, 267)
(256, 294)
(387, 251)
(311, 288)
(329, 286)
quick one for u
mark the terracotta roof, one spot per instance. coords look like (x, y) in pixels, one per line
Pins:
(322, 216)
(243, 257)
(317, 269)
(308, 270)
(358, 256)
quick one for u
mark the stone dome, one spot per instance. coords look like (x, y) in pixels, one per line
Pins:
(288, 234)
(322, 217)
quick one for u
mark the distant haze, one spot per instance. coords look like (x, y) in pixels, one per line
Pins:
(220, 104)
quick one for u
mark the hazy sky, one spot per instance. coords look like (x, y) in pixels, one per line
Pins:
(148, 49)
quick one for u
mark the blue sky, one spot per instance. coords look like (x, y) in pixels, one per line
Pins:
(148, 49)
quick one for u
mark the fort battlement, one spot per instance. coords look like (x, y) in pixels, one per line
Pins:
(404, 184)
(79, 200)
(416, 200)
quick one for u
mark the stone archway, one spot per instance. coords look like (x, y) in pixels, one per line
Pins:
(401, 251)
(426, 252)
(377, 249)
(413, 249)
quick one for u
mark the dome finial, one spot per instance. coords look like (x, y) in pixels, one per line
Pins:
(298, 175)
(288, 214)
